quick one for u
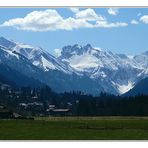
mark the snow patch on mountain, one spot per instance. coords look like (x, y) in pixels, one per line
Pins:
(47, 64)
(9, 53)
(125, 87)
(83, 62)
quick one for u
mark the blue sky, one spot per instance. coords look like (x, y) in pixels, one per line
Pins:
(122, 30)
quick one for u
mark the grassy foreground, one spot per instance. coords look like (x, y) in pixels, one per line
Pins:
(73, 128)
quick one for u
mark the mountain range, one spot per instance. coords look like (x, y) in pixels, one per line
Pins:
(78, 68)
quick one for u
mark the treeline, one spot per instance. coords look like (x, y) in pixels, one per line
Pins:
(114, 106)
(78, 103)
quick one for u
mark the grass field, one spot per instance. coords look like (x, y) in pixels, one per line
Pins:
(70, 128)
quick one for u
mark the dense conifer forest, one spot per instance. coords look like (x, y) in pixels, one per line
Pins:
(43, 102)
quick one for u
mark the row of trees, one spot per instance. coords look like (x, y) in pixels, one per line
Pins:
(80, 104)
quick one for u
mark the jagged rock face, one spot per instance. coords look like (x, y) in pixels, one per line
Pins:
(101, 69)
(117, 71)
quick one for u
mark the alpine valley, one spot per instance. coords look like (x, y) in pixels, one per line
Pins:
(78, 68)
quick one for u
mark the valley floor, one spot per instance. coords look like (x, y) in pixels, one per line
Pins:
(75, 128)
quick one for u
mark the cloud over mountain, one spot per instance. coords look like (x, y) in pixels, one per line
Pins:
(50, 20)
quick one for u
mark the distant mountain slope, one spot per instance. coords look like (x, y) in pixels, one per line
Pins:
(139, 89)
(4, 80)
(15, 79)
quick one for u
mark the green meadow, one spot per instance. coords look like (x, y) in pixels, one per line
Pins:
(75, 128)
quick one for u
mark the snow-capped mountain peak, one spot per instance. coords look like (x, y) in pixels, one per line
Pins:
(87, 58)
(117, 70)
(7, 43)
(142, 60)
(39, 57)
(113, 73)
(76, 49)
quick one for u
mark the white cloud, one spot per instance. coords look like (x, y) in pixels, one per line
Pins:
(89, 15)
(50, 19)
(105, 24)
(144, 19)
(134, 22)
(37, 21)
(113, 11)
(72, 23)
(46, 20)
(57, 52)
(74, 10)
